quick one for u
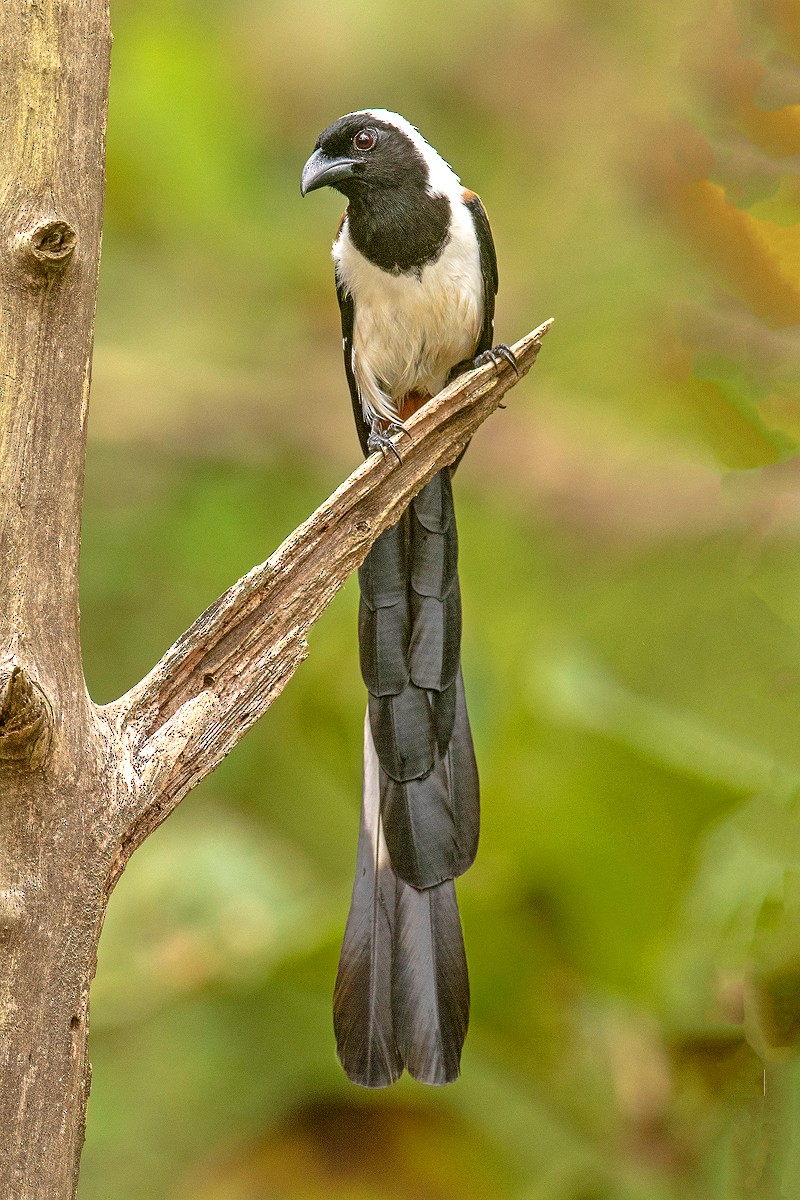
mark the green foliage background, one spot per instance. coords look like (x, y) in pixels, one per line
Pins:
(630, 560)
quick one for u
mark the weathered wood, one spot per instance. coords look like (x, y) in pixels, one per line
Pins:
(54, 62)
(81, 786)
(26, 722)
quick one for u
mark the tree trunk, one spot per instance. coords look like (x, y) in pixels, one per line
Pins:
(54, 81)
(81, 786)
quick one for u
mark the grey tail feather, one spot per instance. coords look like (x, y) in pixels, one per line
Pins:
(410, 644)
(362, 1008)
(402, 991)
(430, 984)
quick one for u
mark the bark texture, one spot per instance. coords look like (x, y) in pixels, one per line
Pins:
(81, 786)
(54, 57)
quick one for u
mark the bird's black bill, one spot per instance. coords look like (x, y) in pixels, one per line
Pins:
(322, 171)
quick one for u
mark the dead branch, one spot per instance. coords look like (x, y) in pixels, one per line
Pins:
(223, 673)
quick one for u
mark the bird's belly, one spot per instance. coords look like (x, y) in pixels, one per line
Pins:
(413, 347)
(410, 330)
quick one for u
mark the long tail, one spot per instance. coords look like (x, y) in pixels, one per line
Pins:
(402, 992)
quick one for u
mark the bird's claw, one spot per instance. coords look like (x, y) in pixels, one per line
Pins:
(379, 439)
(498, 355)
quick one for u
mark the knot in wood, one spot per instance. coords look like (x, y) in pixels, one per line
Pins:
(25, 719)
(48, 245)
(53, 241)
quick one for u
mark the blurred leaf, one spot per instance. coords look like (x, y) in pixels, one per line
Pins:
(211, 902)
(577, 689)
(356, 1151)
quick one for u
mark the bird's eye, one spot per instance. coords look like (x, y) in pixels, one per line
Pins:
(365, 139)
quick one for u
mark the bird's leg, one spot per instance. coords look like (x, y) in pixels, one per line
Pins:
(461, 368)
(380, 435)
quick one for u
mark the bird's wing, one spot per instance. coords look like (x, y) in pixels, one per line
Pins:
(347, 308)
(483, 232)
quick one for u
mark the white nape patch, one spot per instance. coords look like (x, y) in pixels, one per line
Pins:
(442, 179)
(412, 328)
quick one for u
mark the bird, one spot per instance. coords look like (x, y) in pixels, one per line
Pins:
(416, 279)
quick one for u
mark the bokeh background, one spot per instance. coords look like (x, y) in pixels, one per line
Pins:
(630, 563)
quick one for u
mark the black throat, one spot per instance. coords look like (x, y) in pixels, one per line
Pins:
(399, 229)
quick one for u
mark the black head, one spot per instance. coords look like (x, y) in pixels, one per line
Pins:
(364, 151)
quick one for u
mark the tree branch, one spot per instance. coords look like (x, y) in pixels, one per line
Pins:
(237, 657)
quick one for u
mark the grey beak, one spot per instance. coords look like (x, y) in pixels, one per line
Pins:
(321, 171)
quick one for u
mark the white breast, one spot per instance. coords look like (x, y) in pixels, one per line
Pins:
(411, 329)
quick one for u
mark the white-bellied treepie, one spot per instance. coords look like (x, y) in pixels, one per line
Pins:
(416, 277)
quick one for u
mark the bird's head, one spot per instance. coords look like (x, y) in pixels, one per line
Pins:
(374, 150)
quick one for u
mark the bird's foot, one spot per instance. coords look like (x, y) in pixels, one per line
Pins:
(397, 427)
(380, 436)
(498, 355)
